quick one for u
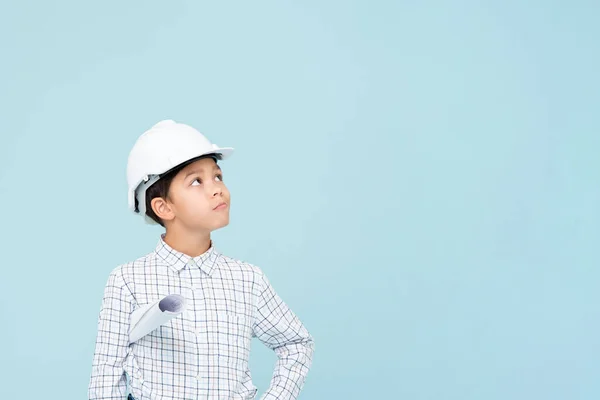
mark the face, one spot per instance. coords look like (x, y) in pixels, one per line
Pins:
(198, 198)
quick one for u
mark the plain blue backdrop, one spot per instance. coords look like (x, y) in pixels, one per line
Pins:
(419, 180)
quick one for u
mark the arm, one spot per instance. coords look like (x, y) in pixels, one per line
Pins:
(281, 330)
(108, 379)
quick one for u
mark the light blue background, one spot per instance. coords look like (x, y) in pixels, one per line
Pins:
(419, 180)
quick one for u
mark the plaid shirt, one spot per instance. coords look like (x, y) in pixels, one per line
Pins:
(202, 353)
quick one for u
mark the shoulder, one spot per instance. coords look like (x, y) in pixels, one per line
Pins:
(135, 267)
(234, 264)
(124, 275)
(249, 271)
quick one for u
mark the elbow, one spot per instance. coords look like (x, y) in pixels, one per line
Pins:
(304, 345)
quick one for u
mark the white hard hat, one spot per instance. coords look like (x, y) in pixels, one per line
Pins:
(163, 147)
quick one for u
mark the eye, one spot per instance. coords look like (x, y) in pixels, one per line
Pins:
(219, 177)
(197, 180)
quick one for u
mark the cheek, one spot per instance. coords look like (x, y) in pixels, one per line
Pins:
(194, 202)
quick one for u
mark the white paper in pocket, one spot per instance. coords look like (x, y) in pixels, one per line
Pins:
(151, 316)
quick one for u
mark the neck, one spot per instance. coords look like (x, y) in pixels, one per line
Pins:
(192, 244)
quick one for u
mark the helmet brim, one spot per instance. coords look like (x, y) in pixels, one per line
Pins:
(224, 153)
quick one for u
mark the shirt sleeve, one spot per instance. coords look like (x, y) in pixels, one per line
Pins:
(280, 329)
(108, 379)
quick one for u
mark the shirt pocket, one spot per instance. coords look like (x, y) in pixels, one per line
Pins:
(231, 339)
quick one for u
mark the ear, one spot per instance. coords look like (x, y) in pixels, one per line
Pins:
(162, 209)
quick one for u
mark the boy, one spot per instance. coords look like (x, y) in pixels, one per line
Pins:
(174, 180)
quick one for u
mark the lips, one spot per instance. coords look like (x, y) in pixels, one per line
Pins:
(220, 206)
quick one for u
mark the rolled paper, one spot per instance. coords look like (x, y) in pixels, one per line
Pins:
(149, 317)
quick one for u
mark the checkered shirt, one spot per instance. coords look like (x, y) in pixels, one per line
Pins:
(202, 353)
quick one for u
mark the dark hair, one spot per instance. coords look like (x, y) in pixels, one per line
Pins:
(161, 187)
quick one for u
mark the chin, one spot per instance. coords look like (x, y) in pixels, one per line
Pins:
(220, 225)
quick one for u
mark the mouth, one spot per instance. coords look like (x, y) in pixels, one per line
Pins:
(220, 206)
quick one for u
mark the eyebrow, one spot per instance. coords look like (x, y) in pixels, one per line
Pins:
(198, 170)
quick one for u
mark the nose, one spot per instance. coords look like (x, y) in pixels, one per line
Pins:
(217, 191)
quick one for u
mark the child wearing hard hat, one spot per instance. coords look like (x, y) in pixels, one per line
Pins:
(175, 180)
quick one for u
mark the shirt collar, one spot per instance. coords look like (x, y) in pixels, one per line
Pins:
(177, 260)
